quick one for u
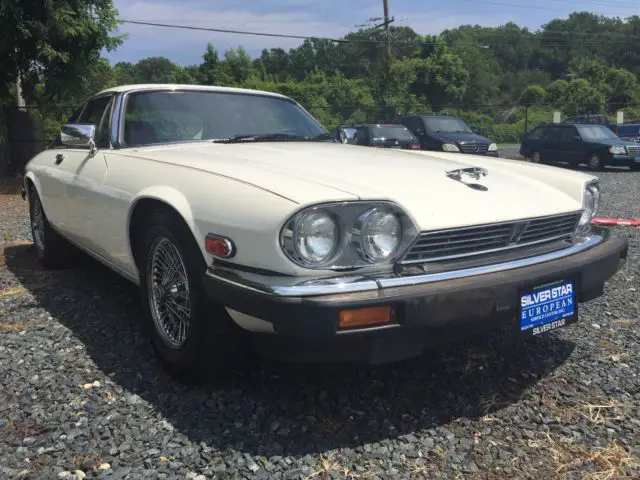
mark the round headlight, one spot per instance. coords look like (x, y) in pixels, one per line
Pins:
(590, 204)
(316, 237)
(381, 235)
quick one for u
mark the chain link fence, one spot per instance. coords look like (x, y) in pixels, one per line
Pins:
(503, 123)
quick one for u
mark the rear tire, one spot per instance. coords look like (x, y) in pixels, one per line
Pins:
(53, 251)
(194, 338)
(535, 157)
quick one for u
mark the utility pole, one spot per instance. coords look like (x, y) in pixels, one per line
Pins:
(20, 103)
(387, 22)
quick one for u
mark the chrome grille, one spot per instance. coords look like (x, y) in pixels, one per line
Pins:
(472, 147)
(477, 240)
(633, 150)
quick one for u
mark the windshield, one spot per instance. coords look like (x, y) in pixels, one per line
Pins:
(173, 116)
(446, 125)
(596, 132)
(397, 132)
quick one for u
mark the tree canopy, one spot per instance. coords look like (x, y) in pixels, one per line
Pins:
(53, 44)
(488, 75)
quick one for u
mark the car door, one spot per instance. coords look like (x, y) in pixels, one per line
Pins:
(569, 145)
(84, 174)
(549, 144)
(532, 141)
(50, 175)
(415, 125)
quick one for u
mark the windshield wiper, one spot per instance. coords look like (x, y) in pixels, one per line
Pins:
(323, 136)
(259, 137)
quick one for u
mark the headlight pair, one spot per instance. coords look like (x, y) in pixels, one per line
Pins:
(590, 203)
(618, 150)
(452, 147)
(347, 235)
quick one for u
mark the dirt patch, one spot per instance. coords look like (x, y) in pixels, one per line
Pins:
(10, 186)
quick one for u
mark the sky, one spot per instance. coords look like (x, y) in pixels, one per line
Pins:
(320, 18)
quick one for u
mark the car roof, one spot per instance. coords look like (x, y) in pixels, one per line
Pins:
(373, 124)
(189, 87)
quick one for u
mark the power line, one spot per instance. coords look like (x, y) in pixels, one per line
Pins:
(590, 41)
(260, 34)
(537, 7)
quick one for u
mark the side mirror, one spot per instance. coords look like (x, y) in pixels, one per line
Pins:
(419, 132)
(577, 138)
(78, 135)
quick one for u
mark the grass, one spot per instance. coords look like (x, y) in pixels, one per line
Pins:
(610, 462)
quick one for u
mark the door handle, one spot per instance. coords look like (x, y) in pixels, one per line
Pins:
(59, 158)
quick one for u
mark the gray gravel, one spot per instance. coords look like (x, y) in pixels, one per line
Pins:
(82, 396)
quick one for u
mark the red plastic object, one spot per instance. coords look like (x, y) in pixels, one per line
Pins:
(617, 222)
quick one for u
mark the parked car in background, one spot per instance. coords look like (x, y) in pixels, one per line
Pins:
(593, 145)
(239, 221)
(628, 131)
(447, 134)
(384, 135)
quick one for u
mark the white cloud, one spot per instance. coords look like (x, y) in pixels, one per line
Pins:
(184, 46)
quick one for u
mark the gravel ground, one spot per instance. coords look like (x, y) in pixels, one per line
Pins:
(81, 394)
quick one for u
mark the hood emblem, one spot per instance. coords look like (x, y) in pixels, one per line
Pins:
(472, 172)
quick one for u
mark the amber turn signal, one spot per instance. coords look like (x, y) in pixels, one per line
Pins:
(365, 317)
(219, 246)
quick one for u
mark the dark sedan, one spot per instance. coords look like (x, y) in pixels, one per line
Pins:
(447, 133)
(593, 145)
(382, 135)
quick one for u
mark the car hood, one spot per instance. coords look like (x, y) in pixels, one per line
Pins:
(461, 137)
(611, 142)
(308, 173)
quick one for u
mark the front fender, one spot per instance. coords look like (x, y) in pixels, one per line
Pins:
(172, 198)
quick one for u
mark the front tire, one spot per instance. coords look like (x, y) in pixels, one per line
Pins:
(53, 250)
(194, 338)
(594, 162)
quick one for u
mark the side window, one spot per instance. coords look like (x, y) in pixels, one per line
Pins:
(536, 133)
(568, 134)
(553, 133)
(414, 124)
(97, 113)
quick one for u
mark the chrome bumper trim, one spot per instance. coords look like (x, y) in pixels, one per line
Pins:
(336, 285)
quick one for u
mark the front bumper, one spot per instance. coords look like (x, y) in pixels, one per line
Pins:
(624, 160)
(423, 305)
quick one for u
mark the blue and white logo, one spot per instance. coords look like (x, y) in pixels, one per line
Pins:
(547, 307)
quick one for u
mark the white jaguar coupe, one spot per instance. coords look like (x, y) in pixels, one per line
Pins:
(240, 217)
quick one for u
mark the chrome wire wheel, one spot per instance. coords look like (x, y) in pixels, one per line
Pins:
(535, 158)
(37, 223)
(594, 162)
(168, 292)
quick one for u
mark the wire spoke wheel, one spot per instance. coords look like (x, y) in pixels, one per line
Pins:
(37, 224)
(169, 293)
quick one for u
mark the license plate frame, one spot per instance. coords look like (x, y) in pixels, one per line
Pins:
(547, 307)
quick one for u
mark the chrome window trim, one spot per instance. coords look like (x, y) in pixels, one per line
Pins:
(281, 286)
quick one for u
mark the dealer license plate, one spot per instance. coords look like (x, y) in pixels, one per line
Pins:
(548, 307)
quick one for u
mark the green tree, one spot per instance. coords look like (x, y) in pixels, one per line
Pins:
(532, 95)
(55, 42)
(159, 70)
